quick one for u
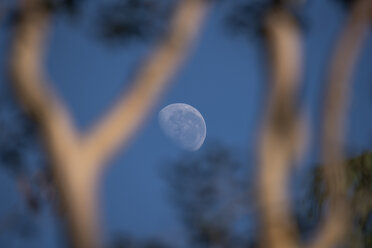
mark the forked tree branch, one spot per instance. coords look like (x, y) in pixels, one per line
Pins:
(281, 134)
(119, 125)
(77, 160)
(337, 219)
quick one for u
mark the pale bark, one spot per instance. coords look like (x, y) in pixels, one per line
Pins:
(77, 159)
(334, 227)
(153, 77)
(282, 133)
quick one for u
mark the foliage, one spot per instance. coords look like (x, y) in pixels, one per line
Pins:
(125, 241)
(124, 21)
(359, 186)
(205, 192)
(211, 196)
(22, 158)
(210, 192)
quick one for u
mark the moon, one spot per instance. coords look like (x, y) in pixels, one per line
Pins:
(184, 125)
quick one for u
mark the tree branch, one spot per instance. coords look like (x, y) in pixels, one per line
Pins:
(282, 132)
(73, 177)
(119, 125)
(335, 225)
(76, 161)
(26, 62)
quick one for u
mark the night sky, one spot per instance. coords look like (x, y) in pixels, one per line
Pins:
(224, 77)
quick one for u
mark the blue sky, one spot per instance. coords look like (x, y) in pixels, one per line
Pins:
(220, 78)
(223, 78)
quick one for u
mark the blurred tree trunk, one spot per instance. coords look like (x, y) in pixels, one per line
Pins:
(337, 219)
(284, 134)
(282, 131)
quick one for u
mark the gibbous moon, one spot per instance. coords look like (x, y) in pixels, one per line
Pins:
(184, 125)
